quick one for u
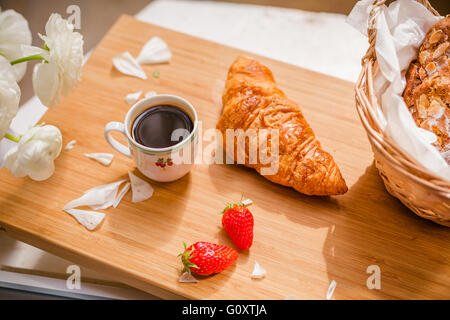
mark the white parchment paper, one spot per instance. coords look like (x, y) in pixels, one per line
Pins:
(401, 28)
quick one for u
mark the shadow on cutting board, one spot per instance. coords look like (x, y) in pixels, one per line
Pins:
(396, 240)
(360, 234)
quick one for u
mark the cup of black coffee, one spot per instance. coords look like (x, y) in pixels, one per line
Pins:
(162, 136)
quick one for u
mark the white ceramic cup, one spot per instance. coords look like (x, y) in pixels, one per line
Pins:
(160, 164)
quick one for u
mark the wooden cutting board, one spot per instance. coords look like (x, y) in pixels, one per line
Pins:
(303, 242)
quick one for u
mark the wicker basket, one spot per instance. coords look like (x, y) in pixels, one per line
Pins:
(423, 192)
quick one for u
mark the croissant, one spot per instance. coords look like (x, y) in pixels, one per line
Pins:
(251, 100)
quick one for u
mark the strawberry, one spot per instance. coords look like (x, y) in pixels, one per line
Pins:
(204, 258)
(238, 222)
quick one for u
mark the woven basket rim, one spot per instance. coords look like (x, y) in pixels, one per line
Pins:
(367, 110)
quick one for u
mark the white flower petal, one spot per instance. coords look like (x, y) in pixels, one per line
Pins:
(14, 32)
(126, 64)
(115, 184)
(10, 162)
(62, 71)
(187, 278)
(131, 98)
(32, 50)
(103, 158)
(141, 189)
(154, 51)
(66, 50)
(70, 145)
(35, 153)
(20, 68)
(121, 194)
(46, 84)
(150, 94)
(9, 96)
(247, 202)
(43, 174)
(331, 290)
(100, 197)
(258, 271)
(89, 219)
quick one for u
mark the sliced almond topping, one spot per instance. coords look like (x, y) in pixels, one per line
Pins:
(440, 50)
(422, 105)
(431, 67)
(436, 108)
(438, 132)
(436, 36)
(423, 56)
(442, 61)
(438, 100)
(423, 74)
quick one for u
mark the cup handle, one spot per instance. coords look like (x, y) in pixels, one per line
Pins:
(116, 126)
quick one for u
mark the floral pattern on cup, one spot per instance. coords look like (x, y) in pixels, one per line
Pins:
(162, 163)
(154, 162)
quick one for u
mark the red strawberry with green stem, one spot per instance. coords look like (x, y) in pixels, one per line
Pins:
(238, 222)
(204, 258)
(160, 163)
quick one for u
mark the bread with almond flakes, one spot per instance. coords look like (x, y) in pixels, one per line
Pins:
(427, 91)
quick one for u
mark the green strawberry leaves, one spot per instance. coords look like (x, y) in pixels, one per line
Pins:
(185, 257)
(229, 205)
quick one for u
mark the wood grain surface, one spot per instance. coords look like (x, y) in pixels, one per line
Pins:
(303, 242)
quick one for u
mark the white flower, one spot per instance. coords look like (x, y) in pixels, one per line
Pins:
(65, 57)
(14, 32)
(33, 156)
(9, 95)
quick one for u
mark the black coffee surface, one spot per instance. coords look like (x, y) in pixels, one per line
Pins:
(154, 127)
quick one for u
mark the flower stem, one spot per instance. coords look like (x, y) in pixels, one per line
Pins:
(29, 58)
(12, 138)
